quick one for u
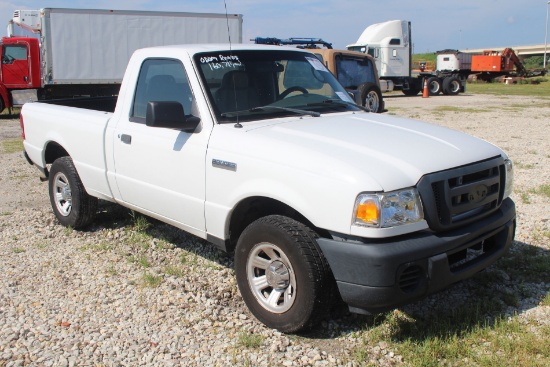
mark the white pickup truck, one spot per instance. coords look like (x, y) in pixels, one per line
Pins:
(259, 150)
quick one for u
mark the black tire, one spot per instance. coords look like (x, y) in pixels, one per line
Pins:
(371, 97)
(279, 257)
(434, 86)
(411, 91)
(451, 85)
(70, 202)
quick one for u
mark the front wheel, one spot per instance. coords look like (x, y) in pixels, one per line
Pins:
(371, 97)
(282, 275)
(70, 202)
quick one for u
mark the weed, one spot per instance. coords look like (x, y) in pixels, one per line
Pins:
(542, 190)
(41, 245)
(250, 340)
(69, 230)
(111, 270)
(5, 214)
(18, 250)
(143, 261)
(546, 300)
(173, 271)
(139, 222)
(525, 198)
(521, 165)
(151, 281)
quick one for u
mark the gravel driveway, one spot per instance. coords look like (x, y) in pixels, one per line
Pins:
(135, 292)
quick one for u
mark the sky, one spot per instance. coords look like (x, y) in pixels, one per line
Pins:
(436, 24)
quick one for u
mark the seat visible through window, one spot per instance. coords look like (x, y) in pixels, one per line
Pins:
(236, 93)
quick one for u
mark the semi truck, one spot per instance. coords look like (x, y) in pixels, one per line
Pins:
(390, 44)
(65, 53)
(261, 151)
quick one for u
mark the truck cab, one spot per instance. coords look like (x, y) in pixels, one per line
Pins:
(20, 68)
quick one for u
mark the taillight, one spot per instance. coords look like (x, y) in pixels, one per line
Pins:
(22, 124)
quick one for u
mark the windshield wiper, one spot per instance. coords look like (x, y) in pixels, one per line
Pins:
(293, 110)
(338, 102)
(271, 108)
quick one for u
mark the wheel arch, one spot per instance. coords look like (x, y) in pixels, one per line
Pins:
(252, 208)
(53, 151)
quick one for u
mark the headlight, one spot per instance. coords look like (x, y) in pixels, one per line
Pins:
(509, 185)
(388, 209)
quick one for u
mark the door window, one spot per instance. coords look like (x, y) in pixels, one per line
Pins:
(161, 80)
(13, 52)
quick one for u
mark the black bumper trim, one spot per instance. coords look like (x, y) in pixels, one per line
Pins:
(367, 274)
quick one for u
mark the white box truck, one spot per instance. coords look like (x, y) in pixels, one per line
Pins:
(84, 52)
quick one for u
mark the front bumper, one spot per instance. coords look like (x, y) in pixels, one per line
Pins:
(376, 275)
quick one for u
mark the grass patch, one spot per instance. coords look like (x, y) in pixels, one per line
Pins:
(252, 341)
(18, 250)
(460, 109)
(528, 264)
(546, 300)
(525, 198)
(521, 165)
(151, 280)
(139, 222)
(541, 90)
(12, 145)
(174, 271)
(464, 338)
(143, 261)
(542, 190)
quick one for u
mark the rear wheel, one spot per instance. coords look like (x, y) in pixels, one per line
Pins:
(371, 97)
(70, 202)
(434, 86)
(451, 85)
(282, 275)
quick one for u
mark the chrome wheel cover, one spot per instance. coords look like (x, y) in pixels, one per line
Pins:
(62, 194)
(271, 277)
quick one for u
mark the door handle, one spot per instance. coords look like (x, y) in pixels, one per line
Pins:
(126, 139)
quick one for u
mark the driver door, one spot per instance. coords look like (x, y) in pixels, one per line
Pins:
(161, 171)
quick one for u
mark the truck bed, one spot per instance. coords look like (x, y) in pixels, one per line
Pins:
(104, 104)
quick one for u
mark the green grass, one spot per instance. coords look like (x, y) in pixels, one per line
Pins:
(542, 190)
(459, 339)
(151, 281)
(250, 340)
(538, 90)
(460, 109)
(12, 145)
(139, 222)
(18, 250)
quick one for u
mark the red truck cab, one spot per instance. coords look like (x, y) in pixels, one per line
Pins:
(20, 66)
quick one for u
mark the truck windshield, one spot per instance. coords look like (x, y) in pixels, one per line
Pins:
(249, 85)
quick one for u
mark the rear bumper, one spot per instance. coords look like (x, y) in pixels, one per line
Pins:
(376, 275)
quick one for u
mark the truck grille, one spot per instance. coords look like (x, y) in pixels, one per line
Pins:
(462, 195)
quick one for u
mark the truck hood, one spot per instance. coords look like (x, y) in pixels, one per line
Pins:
(377, 152)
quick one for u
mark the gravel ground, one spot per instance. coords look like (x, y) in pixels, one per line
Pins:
(132, 293)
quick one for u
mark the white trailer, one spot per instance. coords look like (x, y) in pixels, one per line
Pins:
(92, 46)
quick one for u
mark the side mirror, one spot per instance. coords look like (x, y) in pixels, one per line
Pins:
(170, 114)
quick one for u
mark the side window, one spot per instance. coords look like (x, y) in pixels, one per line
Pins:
(161, 80)
(352, 72)
(15, 52)
(301, 73)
